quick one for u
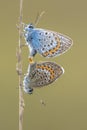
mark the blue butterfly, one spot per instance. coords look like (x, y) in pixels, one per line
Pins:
(40, 75)
(45, 42)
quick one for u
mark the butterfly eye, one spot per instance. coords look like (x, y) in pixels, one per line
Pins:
(30, 26)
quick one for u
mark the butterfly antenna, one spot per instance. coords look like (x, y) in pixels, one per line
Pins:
(39, 17)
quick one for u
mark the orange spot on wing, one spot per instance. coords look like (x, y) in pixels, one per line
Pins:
(52, 51)
(45, 53)
(52, 77)
(48, 69)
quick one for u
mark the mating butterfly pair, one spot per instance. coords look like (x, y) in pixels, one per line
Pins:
(48, 44)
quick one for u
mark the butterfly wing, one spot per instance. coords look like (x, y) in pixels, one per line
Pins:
(49, 43)
(41, 74)
(47, 72)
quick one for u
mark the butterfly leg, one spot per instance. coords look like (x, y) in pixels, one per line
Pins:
(32, 54)
(31, 59)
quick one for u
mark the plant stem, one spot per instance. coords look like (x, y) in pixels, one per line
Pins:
(19, 69)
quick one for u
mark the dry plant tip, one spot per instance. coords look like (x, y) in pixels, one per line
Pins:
(42, 102)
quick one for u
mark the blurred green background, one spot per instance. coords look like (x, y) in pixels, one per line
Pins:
(66, 99)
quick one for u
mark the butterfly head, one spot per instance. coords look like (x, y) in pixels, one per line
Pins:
(27, 86)
(29, 27)
(28, 90)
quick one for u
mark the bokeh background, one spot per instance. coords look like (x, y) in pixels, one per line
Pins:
(66, 99)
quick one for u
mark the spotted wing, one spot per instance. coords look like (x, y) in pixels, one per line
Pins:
(50, 44)
(43, 74)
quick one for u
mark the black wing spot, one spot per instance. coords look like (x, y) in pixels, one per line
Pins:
(31, 38)
(38, 83)
(46, 33)
(42, 82)
(41, 77)
(43, 49)
(51, 43)
(49, 80)
(40, 33)
(42, 68)
(52, 52)
(44, 45)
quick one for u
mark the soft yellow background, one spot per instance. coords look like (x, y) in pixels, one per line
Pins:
(66, 98)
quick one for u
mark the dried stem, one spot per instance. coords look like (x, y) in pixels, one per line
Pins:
(19, 69)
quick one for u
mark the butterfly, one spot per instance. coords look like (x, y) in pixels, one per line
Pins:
(40, 75)
(45, 42)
